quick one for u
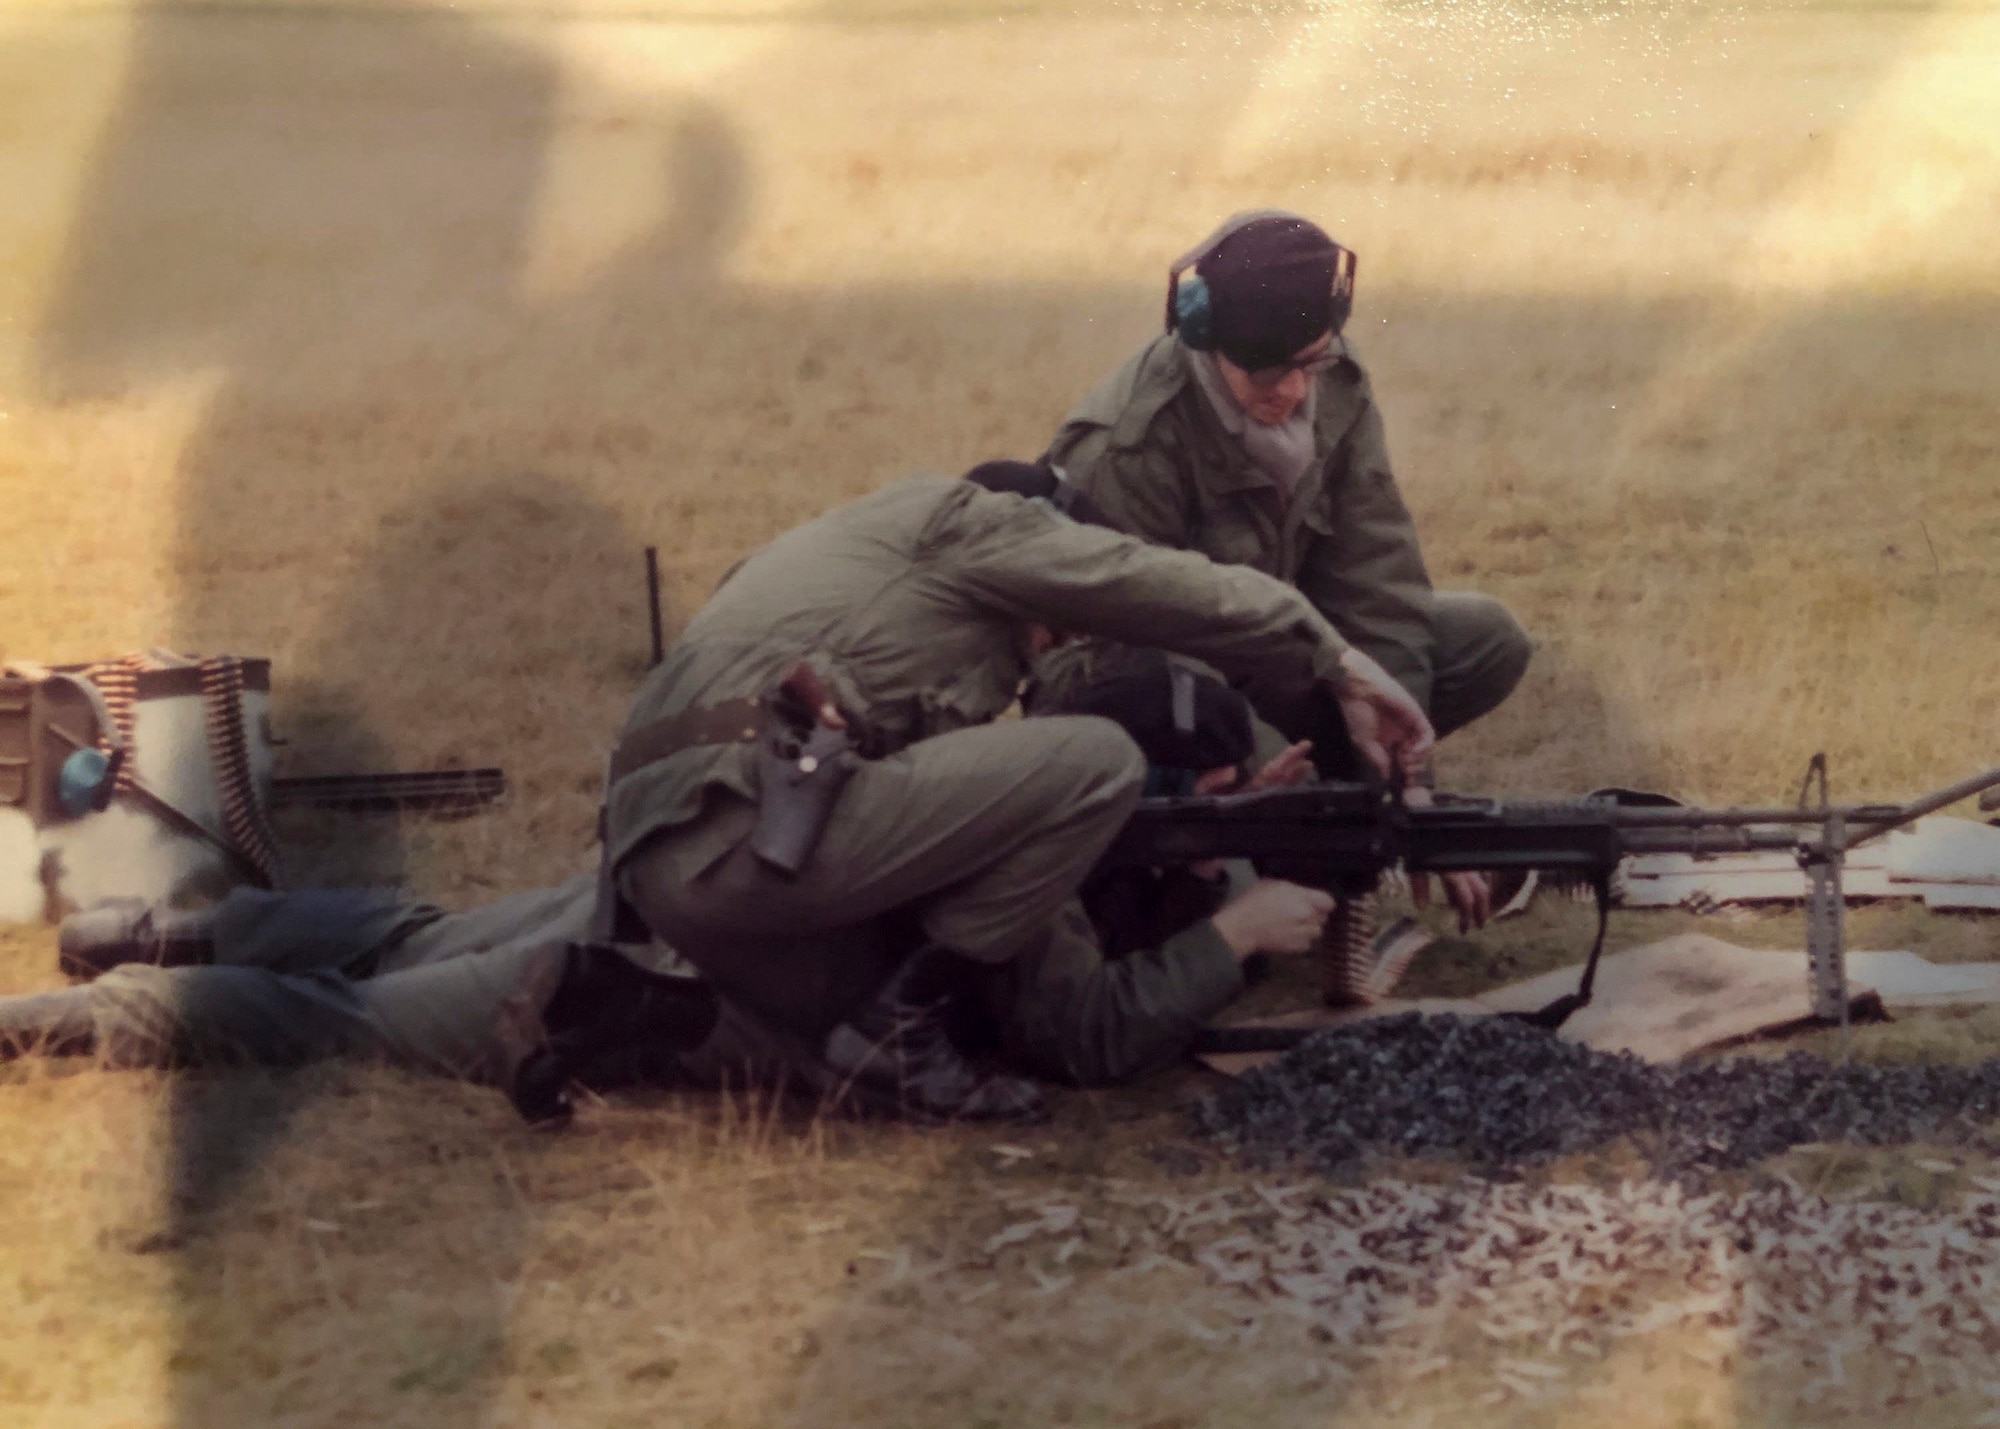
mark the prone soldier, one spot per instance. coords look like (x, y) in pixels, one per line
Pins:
(1143, 958)
(279, 979)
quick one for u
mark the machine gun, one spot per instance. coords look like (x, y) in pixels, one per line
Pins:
(1341, 837)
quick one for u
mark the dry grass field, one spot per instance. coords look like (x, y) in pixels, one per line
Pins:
(382, 338)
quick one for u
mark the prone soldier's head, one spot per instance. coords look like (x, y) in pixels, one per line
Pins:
(1045, 485)
(1038, 481)
(1268, 294)
(1194, 731)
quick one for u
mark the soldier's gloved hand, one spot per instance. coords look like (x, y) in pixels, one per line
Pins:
(1273, 916)
(1387, 725)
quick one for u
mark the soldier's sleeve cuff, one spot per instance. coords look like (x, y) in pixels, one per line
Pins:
(1209, 971)
(1326, 660)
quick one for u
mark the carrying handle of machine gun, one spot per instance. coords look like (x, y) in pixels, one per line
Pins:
(1815, 773)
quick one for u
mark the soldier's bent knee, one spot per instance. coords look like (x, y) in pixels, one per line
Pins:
(1483, 652)
(1090, 748)
(1512, 648)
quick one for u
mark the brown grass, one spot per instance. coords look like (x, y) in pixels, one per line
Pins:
(381, 340)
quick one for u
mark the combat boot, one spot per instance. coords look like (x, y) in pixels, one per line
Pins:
(610, 1023)
(128, 931)
(894, 1056)
(53, 1024)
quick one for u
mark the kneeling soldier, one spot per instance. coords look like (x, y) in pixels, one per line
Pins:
(1248, 430)
(815, 777)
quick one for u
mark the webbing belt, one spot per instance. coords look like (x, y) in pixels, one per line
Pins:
(731, 722)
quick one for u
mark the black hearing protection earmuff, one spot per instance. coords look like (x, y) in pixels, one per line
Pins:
(1187, 310)
(1343, 287)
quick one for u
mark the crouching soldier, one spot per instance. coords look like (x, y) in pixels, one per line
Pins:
(1248, 431)
(815, 780)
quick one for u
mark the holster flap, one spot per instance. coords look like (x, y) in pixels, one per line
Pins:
(797, 786)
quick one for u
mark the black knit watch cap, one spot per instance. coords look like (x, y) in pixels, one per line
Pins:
(1179, 717)
(1271, 290)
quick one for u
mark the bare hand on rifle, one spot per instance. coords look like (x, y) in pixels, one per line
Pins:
(1273, 916)
(1469, 894)
(1387, 726)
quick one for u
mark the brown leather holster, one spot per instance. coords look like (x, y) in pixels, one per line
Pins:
(802, 767)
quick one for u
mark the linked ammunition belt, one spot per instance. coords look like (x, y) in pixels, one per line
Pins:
(220, 679)
(40, 729)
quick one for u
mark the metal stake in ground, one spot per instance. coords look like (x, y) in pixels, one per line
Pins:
(653, 603)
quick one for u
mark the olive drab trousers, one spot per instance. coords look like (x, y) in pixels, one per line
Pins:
(971, 841)
(1481, 654)
(314, 974)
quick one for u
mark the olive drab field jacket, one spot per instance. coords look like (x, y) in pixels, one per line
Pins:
(912, 606)
(1148, 448)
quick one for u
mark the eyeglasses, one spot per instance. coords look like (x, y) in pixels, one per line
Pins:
(1265, 378)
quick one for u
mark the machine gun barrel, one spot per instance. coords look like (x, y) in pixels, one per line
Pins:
(1875, 818)
(1931, 803)
(1698, 841)
(1688, 818)
(1862, 821)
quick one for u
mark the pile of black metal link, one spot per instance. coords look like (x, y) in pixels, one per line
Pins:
(1499, 1093)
